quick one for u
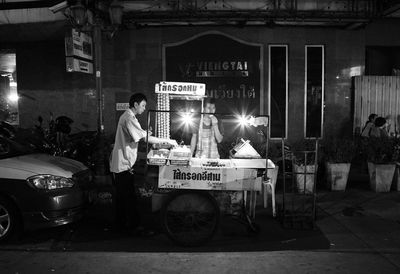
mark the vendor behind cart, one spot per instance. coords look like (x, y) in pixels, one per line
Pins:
(123, 158)
(205, 140)
(204, 144)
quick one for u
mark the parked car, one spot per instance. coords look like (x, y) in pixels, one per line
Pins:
(39, 190)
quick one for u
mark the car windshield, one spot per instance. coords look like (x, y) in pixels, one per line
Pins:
(10, 148)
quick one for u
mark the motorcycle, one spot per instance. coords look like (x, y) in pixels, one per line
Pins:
(55, 140)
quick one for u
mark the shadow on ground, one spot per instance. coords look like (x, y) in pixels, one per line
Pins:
(96, 233)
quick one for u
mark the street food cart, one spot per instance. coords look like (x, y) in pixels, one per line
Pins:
(190, 214)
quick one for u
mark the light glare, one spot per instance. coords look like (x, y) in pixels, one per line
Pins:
(187, 118)
(13, 97)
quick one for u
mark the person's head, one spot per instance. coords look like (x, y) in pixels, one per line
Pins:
(209, 105)
(372, 117)
(380, 121)
(138, 102)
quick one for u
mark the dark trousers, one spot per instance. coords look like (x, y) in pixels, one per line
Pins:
(126, 212)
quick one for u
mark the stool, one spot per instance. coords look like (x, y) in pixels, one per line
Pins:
(268, 183)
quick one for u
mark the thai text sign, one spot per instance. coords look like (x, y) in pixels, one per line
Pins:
(181, 88)
(230, 68)
(181, 177)
(74, 64)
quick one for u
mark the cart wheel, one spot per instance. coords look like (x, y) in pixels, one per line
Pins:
(190, 218)
(253, 229)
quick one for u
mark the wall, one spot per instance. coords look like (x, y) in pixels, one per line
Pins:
(132, 61)
(343, 50)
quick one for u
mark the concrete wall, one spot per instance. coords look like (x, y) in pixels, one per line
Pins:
(132, 61)
(343, 50)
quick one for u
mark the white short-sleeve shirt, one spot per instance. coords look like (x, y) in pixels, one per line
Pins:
(127, 137)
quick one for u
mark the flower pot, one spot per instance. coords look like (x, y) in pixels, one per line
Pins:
(337, 175)
(396, 178)
(381, 176)
(305, 182)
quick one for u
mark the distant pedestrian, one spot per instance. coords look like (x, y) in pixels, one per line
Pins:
(380, 128)
(369, 125)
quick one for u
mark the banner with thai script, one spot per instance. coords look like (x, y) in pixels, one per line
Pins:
(230, 68)
(181, 177)
(181, 88)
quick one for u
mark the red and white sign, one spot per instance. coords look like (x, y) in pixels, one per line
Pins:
(181, 88)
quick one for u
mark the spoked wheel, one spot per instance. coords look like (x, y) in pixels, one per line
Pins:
(190, 218)
(9, 223)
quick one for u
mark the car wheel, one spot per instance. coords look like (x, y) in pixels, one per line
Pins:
(9, 220)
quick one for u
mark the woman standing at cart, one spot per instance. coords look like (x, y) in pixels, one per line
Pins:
(205, 140)
(204, 144)
(124, 155)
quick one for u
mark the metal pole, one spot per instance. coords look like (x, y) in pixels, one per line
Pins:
(101, 147)
(98, 68)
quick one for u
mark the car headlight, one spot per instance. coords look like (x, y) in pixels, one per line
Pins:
(49, 182)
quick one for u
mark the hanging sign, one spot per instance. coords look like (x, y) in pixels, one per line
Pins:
(79, 44)
(77, 65)
(182, 88)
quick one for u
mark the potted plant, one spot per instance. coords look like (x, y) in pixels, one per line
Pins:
(382, 155)
(305, 165)
(338, 154)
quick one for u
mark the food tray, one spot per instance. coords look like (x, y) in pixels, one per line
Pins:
(156, 157)
(179, 162)
(180, 156)
(162, 146)
(157, 161)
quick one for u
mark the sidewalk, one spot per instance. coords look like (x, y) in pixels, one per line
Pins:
(358, 231)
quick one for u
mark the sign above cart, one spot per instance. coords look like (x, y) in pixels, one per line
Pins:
(181, 88)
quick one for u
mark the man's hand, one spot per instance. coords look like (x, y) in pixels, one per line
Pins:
(172, 142)
(214, 120)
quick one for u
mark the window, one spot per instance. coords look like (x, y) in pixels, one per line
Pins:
(314, 91)
(278, 90)
(8, 87)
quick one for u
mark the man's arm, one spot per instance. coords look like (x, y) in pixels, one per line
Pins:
(217, 134)
(193, 143)
(156, 140)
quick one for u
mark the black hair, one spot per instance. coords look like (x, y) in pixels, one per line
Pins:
(372, 116)
(137, 97)
(380, 121)
(209, 100)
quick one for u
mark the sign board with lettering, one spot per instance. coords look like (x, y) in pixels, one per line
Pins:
(230, 68)
(208, 178)
(76, 65)
(181, 88)
(79, 44)
(122, 106)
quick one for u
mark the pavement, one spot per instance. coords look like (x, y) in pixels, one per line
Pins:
(356, 231)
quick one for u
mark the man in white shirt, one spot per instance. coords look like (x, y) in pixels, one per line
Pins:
(124, 155)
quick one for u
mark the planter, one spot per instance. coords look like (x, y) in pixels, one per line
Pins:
(305, 182)
(381, 176)
(396, 178)
(337, 175)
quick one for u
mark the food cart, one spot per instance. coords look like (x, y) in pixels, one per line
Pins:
(190, 214)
